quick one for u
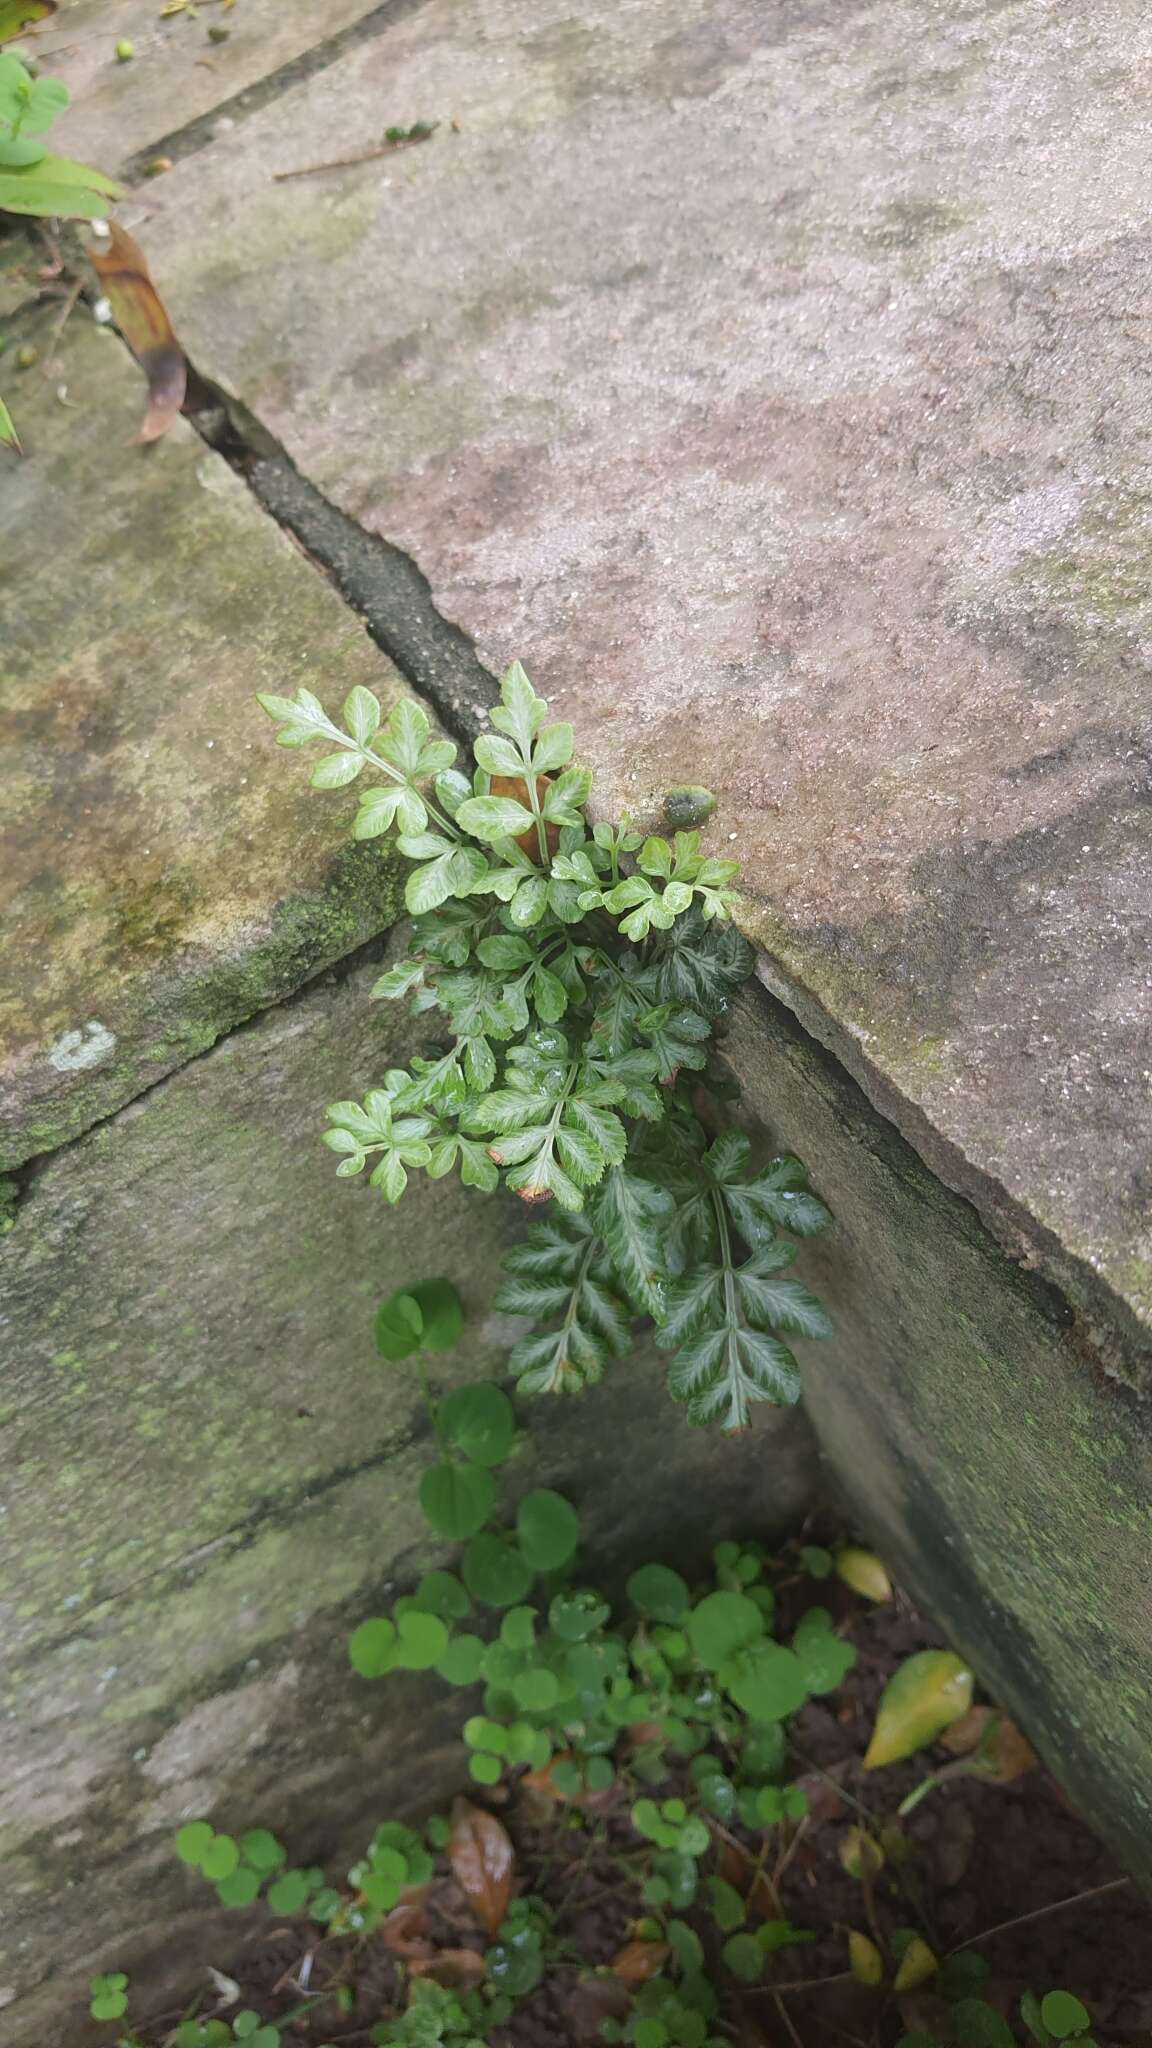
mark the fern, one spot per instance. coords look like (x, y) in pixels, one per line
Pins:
(579, 973)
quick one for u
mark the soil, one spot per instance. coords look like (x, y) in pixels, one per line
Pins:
(979, 1854)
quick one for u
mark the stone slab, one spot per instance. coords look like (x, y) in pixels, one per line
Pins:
(772, 379)
(163, 874)
(177, 74)
(209, 1477)
(1005, 1478)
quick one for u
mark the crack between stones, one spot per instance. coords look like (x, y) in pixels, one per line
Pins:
(385, 587)
(196, 135)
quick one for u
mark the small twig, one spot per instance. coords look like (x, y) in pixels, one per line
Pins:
(786, 2018)
(364, 156)
(789, 1853)
(1078, 1899)
(803, 1984)
(59, 325)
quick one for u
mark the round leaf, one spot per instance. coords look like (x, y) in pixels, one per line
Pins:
(261, 1849)
(399, 1323)
(495, 1573)
(659, 1593)
(441, 1593)
(289, 1893)
(240, 1888)
(461, 1663)
(766, 1680)
(548, 1529)
(722, 1624)
(457, 1499)
(422, 1641)
(442, 1312)
(192, 1842)
(1064, 2015)
(536, 1690)
(480, 1422)
(220, 1858)
(370, 1647)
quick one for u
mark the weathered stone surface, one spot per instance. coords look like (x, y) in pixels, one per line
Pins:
(177, 73)
(209, 1475)
(1005, 1477)
(771, 378)
(164, 871)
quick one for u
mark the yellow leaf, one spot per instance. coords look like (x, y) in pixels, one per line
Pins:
(863, 1571)
(927, 1693)
(17, 15)
(917, 1964)
(865, 1960)
(9, 438)
(859, 1853)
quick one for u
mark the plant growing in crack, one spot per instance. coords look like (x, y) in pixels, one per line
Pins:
(580, 971)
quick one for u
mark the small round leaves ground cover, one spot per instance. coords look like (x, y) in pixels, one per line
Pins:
(659, 1593)
(398, 1327)
(721, 1624)
(463, 1660)
(441, 1313)
(479, 1422)
(421, 1641)
(371, 1647)
(457, 1499)
(494, 1572)
(548, 1529)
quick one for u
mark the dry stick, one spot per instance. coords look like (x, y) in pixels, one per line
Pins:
(1078, 1899)
(344, 163)
(786, 2017)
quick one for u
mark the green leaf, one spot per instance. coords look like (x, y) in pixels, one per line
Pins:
(721, 1624)
(457, 1499)
(536, 1690)
(463, 1660)
(494, 1572)
(9, 438)
(1064, 2015)
(442, 1313)
(728, 1908)
(57, 186)
(361, 713)
(631, 1215)
(548, 1529)
(494, 817)
(824, 1658)
(779, 1198)
(261, 1849)
(428, 887)
(744, 1957)
(370, 1647)
(220, 1858)
(766, 1681)
(923, 1697)
(479, 1422)
(399, 1326)
(658, 1592)
(977, 2025)
(290, 1893)
(335, 770)
(421, 1641)
(520, 712)
(193, 1841)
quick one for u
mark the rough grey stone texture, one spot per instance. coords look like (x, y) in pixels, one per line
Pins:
(771, 378)
(1005, 1478)
(177, 74)
(209, 1476)
(165, 870)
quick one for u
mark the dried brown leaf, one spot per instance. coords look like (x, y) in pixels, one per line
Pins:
(481, 1855)
(405, 1929)
(639, 1961)
(454, 1969)
(1006, 1753)
(142, 318)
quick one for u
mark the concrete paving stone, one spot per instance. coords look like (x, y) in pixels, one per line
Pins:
(772, 378)
(165, 873)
